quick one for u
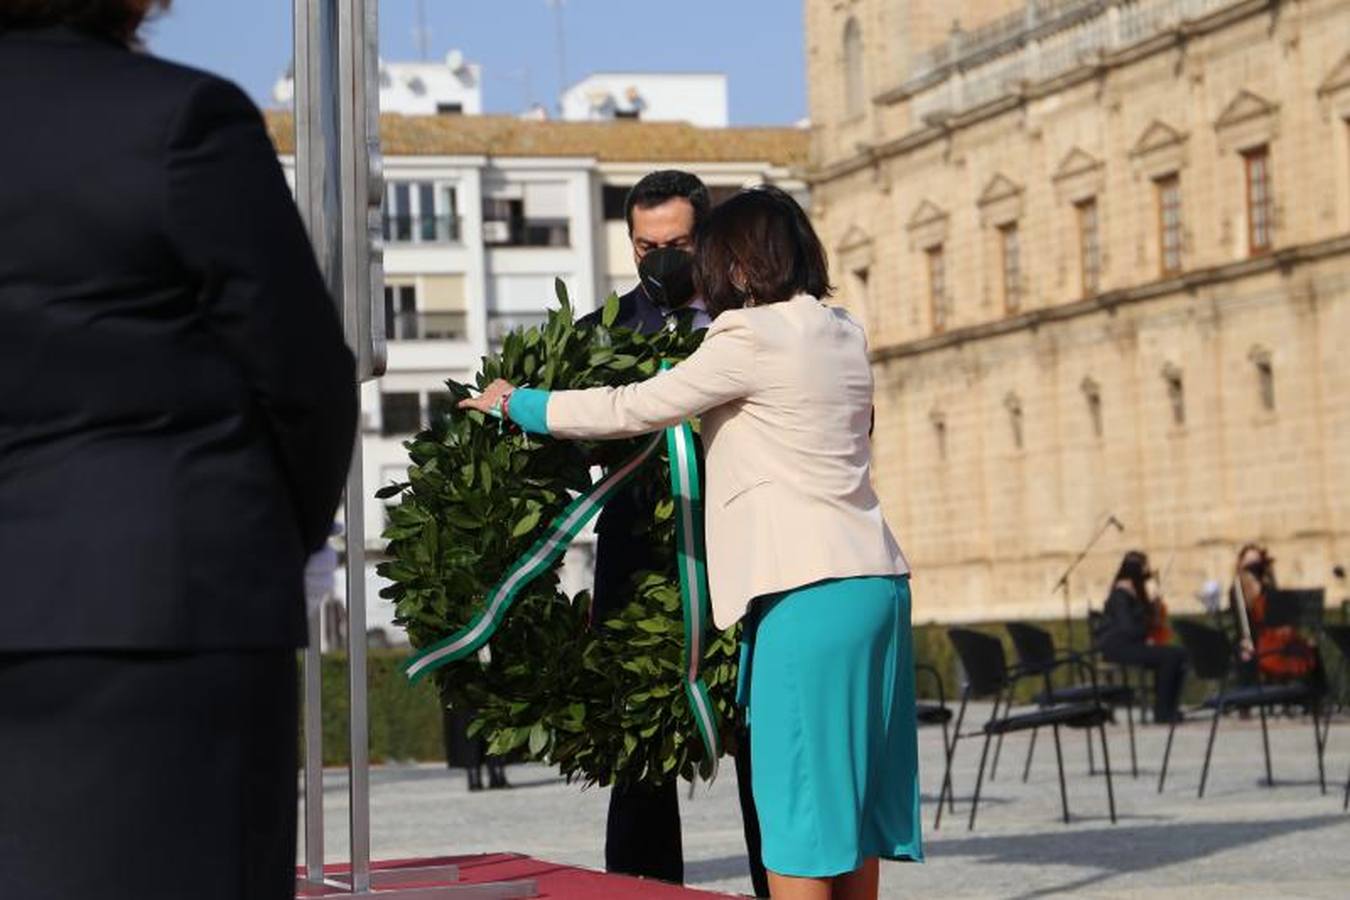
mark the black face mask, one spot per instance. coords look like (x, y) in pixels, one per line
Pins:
(667, 275)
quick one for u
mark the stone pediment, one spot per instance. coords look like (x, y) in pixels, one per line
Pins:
(1160, 150)
(1079, 176)
(854, 239)
(855, 249)
(1000, 202)
(1334, 91)
(1157, 136)
(927, 226)
(1247, 121)
(1243, 108)
(1077, 162)
(998, 188)
(926, 214)
(1338, 80)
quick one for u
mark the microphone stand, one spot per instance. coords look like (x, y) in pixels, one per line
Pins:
(1063, 582)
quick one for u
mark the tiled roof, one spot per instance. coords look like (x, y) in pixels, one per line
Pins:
(620, 141)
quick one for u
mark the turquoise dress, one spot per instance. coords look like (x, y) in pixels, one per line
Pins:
(827, 673)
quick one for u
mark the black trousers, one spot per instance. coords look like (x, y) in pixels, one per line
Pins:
(1169, 666)
(148, 776)
(643, 832)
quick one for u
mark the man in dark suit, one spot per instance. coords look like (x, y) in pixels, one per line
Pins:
(663, 211)
(177, 412)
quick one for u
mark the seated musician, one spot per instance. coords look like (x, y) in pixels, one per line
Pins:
(1277, 652)
(1123, 635)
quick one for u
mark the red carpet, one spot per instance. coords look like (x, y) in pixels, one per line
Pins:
(555, 881)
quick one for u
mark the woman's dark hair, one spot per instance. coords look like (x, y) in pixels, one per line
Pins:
(759, 244)
(1134, 569)
(115, 19)
(668, 184)
(1263, 568)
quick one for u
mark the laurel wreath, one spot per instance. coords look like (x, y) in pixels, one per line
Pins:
(605, 703)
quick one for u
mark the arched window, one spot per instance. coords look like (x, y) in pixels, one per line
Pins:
(855, 93)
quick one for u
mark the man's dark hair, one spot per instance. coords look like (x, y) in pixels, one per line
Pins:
(668, 184)
(115, 19)
(766, 238)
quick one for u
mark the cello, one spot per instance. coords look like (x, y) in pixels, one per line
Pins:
(1159, 629)
(1281, 652)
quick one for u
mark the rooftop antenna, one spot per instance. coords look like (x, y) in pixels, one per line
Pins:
(421, 33)
(561, 37)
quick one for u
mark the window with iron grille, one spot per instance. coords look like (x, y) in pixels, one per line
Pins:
(937, 287)
(1089, 244)
(1169, 224)
(421, 212)
(1259, 199)
(1011, 251)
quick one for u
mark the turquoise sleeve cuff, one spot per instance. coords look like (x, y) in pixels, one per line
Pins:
(529, 410)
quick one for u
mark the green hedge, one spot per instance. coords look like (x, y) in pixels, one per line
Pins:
(405, 720)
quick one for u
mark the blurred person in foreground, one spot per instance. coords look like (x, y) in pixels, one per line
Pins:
(177, 411)
(796, 543)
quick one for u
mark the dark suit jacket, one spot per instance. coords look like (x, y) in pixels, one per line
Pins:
(618, 553)
(177, 406)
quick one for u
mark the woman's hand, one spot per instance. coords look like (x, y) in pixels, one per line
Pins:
(491, 397)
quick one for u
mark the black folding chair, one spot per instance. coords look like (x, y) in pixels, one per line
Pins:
(936, 714)
(1036, 654)
(1108, 670)
(988, 675)
(1340, 636)
(1212, 658)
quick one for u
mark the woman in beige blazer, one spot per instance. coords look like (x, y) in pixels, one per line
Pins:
(797, 544)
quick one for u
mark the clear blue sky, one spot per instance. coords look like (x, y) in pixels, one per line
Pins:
(757, 43)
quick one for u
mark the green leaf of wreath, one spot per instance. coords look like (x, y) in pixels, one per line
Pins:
(611, 313)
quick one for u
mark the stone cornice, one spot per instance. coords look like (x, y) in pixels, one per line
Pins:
(1110, 300)
(1174, 38)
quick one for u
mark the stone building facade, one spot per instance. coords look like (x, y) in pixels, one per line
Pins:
(1102, 251)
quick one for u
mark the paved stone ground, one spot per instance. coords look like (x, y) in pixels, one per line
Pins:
(1242, 837)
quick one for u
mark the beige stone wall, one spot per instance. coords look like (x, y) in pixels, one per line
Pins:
(990, 524)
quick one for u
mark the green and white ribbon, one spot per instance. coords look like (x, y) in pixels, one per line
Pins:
(540, 558)
(690, 557)
(545, 552)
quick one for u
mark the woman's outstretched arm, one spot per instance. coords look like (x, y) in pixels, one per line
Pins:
(720, 371)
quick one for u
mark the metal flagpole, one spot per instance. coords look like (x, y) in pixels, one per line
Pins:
(339, 189)
(316, 194)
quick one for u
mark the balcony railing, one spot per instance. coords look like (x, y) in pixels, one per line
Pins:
(527, 233)
(410, 229)
(1046, 39)
(427, 326)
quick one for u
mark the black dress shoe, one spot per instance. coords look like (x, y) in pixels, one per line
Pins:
(475, 778)
(497, 776)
